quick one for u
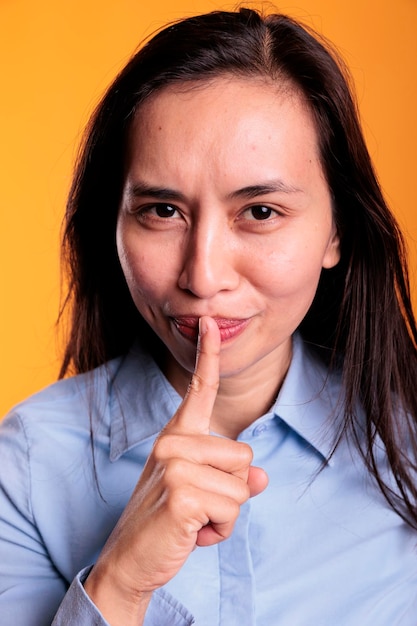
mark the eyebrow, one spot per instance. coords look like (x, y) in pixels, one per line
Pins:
(140, 189)
(253, 191)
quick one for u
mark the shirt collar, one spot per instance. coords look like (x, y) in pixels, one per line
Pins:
(142, 401)
(310, 400)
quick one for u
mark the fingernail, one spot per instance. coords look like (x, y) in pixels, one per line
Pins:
(202, 326)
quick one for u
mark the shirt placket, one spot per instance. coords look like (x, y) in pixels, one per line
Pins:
(237, 585)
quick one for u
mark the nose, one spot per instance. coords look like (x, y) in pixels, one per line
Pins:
(209, 263)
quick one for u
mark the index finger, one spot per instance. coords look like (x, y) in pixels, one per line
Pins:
(194, 414)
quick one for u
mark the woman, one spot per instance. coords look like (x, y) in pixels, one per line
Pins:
(224, 204)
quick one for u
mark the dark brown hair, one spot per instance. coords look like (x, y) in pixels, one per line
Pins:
(361, 319)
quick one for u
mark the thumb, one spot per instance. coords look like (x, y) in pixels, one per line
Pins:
(257, 480)
(194, 413)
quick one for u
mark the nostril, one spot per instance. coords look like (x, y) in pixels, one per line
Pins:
(204, 280)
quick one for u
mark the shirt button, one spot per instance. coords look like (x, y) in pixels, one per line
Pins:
(258, 430)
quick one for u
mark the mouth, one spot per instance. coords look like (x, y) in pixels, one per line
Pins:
(229, 328)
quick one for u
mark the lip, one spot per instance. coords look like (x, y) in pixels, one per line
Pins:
(229, 328)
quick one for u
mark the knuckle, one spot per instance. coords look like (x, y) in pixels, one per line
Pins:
(165, 446)
(244, 493)
(233, 510)
(198, 383)
(244, 454)
(160, 447)
(176, 470)
(183, 501)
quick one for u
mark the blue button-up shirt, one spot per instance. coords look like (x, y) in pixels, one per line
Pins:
(319, 546)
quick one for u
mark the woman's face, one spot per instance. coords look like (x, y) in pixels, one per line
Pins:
(225, 212)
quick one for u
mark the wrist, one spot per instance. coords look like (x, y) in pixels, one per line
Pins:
(119, 605)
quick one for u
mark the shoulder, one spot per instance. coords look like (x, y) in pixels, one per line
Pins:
(70, 402)
(47, 436)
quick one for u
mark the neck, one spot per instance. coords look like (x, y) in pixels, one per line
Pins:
(244, 397)
(242, 400)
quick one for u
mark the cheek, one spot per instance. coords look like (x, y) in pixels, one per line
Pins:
(291, 275)
(147, 270)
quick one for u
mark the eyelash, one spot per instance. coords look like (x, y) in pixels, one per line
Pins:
(267, 212)
(158, 206)
(152, 210)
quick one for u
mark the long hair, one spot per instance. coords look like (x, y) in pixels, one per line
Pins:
(361, 319)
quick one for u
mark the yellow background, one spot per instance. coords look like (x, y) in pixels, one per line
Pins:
(56, 58)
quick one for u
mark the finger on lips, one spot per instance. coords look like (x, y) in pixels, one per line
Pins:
(195, 412)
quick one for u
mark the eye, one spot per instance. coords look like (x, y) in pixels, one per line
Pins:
(162, 210)
(157, 211)
(259, 212)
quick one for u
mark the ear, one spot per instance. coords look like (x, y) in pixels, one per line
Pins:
(332, 253)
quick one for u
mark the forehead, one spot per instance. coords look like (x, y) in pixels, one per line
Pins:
(234, 127)
(227, 97)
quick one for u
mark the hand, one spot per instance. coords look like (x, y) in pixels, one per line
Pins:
(189, 495)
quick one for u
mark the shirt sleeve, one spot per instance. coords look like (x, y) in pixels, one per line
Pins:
(30, 586)
(78, 610)
(32, 591)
